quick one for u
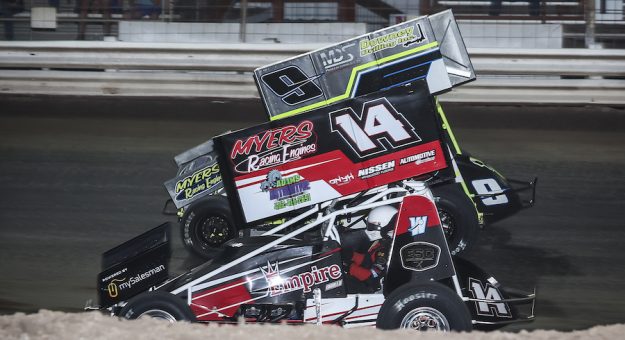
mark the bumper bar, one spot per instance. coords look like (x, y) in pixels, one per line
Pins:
(517, 297)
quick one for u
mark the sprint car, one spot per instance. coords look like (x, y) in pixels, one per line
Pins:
(476, 196)
(327, 217)
(302, 271)
(470, 194)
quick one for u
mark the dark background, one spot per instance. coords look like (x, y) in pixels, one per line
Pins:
(80, 175)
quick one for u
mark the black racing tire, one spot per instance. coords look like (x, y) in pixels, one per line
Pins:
(458, 217)
(206, 225)
(424, 307)
(158, 305)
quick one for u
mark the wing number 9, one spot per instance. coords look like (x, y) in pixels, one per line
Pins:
(489, 186)
(292, 85)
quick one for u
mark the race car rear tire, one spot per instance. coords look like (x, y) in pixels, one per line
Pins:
(458, 217)
(158, 305)
(424, 307)
(206, 225)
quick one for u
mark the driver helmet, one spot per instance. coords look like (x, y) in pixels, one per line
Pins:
(380, 222)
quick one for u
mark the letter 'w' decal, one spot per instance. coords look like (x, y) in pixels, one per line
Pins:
(417, 225)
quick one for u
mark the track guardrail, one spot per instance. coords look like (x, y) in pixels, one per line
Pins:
(548, 76)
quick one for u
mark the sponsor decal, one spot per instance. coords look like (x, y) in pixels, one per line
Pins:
(286, 191)
(112, 287)
(379, 121)
(342, 180)
(405, 36)
(417, 225)
(419, 158)
(376, 170)
(117, 273)
(334, 285)
(303, 281)
(274, 147)
(335, 56)
(289, 186)
(399, 305)
(419, 256)
(488, 292)
(292, 201)
(272, 179)
(419, 37)
(118, 285)
(198, 182)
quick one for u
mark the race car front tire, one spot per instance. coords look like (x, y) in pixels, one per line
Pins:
(424, 307)
(458, 217)
(206, 225)
(158, 305)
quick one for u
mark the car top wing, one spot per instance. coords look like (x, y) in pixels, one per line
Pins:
(428, 47)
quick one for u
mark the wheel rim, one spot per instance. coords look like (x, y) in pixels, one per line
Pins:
(214, 231)
(448, 223)
(425, 319)
(158, 314)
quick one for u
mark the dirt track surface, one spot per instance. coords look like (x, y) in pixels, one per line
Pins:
(81, 175)
(58, 325)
